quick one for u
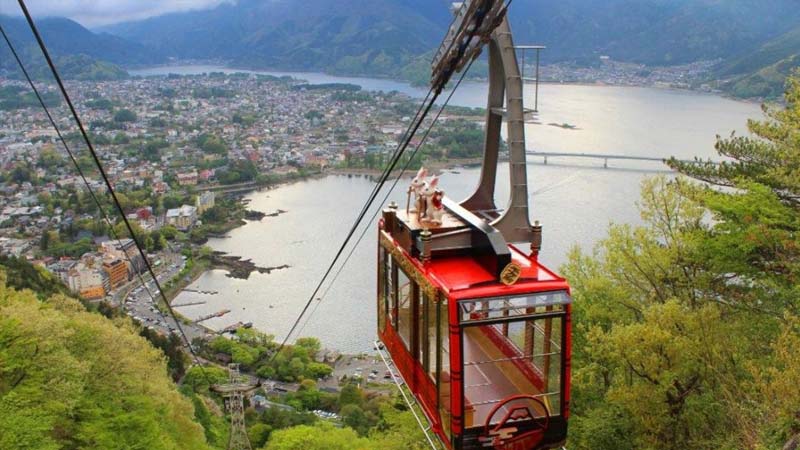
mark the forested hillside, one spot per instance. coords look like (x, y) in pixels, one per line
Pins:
(763, 72)
(78, 53)
(687, 330)
(382, 37)
(71, 378)
(74, 379)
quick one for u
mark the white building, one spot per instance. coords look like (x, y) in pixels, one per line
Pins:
(182, 218)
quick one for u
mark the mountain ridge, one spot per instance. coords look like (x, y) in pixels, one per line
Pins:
(394, 38)
(653, 32)
(78, 52)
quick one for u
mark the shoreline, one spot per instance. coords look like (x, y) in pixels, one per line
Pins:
(224, 66)
(435, 166)
(241, 267)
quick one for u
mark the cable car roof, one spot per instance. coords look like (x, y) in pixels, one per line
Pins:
(463, 277)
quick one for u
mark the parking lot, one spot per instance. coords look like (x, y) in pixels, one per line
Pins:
(365, 370)
(140, 306)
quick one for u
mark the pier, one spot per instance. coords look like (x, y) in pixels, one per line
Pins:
(201, 292)
(211, 316)
(178, 305)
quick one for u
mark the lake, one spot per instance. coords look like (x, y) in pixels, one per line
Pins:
(575, 199)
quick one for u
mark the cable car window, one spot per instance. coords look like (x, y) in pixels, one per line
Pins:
(384, 287)
(504, 307)
(505, 359)
(405, 301)
(422, 334)
(443, 363)
(432, 311)
(392, 289)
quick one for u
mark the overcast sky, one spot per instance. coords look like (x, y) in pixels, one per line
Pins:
(93, 13)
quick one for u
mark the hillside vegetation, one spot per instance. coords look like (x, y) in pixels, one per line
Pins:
(767, 82)
(74, 379)
(763, 72)
(77, 52)
(687, 328)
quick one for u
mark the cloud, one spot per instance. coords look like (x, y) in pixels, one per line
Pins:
(92, 13)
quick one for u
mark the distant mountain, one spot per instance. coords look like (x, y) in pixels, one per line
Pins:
(767, 54)
(762, 72)
(755, 39)
(353, 36)
(653, 32)
(78, 52)
(381, 36)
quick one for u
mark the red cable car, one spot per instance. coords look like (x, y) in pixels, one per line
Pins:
(486, 354)
(476, 326)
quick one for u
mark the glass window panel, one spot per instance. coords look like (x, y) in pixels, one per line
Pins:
(422, 335)
(405, 299)
(520, 306)
(392, 288)
(444, 367)
(505, 359)
(383, 283)
(432, 325)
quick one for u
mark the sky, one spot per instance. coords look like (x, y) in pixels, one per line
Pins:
(94, 13)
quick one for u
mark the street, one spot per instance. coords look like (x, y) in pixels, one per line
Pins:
(139, 305)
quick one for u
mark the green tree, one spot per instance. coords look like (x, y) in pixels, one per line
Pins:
(258, 434)
(212, 144)
(74, 379)
(200, 379)
(757, 237)
(322, 436)
(44, 242)
(355, 418)
(125, 115)
(654, 340)
(686, 328)
(351, 395)
(397, 429)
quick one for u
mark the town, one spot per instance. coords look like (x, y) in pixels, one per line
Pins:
(606, 71)
(177, 149)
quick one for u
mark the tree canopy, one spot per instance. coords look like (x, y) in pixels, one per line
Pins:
(686, 327)
(74, 379)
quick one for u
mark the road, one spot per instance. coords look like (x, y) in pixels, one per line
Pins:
(139, 305)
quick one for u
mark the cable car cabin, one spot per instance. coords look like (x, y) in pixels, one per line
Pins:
(478, 329)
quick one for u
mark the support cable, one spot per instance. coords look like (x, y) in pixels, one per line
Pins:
(368, 226)
(397, 381)
(360, 217)
(395, 154)
(106, 180)
(437, 90)
(72, 156)
(364, 209)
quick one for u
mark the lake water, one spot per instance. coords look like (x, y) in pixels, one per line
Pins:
(575, 199)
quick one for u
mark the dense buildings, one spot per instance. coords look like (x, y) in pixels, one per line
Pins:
(166, 143)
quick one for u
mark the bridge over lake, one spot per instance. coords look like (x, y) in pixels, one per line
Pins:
(602, 156)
